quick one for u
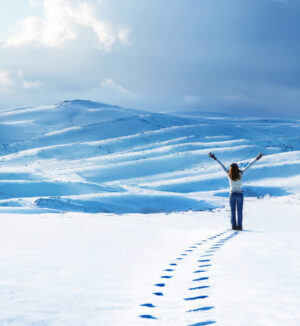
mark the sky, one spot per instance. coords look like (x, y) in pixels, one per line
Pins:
(233, 56)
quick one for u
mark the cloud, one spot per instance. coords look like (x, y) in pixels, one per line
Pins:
(109, 83)
(11, 79)
(5, 79)
(29, 84)
(33, 3)
(123, 35)
(191, 99)
(60, 24)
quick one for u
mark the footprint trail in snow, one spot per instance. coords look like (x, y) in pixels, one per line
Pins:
(168, 296)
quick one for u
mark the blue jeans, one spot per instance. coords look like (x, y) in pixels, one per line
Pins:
(236, 200)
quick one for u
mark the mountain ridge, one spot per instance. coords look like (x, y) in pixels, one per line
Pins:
(77, 147)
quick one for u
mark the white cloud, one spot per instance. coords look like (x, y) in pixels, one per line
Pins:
(113, 85)
(10, 79)
(191, 99)
(5, 79)
(60, 25)
(33, 3)
(29, 84)
(123, 36)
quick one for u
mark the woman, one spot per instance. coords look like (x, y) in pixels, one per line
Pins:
(236, 197)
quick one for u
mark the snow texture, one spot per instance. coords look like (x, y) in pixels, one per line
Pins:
(93, 157)
(112, 216)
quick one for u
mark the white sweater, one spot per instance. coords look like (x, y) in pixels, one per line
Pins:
(236, 186)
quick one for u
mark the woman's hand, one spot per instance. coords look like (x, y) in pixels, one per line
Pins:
(259, 156)
(212, 155)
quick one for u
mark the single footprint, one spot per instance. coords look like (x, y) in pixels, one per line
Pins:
(201, 309)
(148, 316)
(199, 287)
(196, 298)
(203, 323)
(150, 305)
(200, 279)
(160, 284)
(204, 265)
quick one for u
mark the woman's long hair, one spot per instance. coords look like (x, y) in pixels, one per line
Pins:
(234, 172)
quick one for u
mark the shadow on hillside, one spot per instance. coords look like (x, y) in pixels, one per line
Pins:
(127, 203)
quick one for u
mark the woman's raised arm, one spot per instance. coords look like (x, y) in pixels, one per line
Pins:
(258, 157)
(212, 155)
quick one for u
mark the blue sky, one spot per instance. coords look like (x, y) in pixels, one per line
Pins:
(232, 56)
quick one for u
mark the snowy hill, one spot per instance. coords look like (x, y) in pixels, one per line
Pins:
(61, 264)
(93, 157)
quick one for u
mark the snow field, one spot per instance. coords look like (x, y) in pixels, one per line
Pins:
(111, 216)
(86, 148)
(100, 269)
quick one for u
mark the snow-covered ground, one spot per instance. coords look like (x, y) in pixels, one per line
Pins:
(92, 157)
(112, 216)
(100, 269)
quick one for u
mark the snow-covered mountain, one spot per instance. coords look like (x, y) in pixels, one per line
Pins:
(183, 268)
(93, 157)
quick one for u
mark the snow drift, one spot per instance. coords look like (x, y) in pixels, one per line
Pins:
(63, 156)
